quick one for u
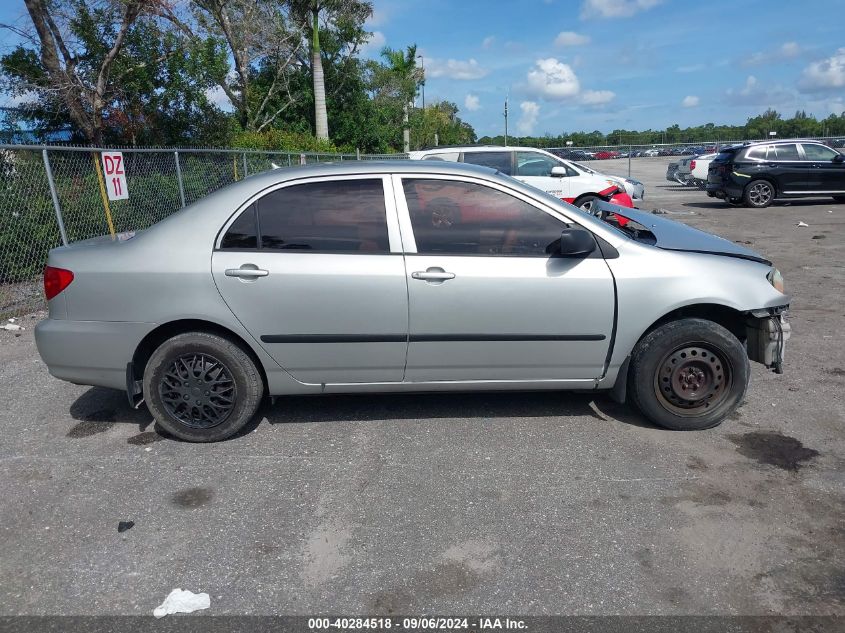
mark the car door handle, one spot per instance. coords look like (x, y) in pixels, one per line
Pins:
(246, 273)
(432, 275)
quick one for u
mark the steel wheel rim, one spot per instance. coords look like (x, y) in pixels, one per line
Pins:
(198, 390)
(760, 193)
(587, 206)
(693, 379)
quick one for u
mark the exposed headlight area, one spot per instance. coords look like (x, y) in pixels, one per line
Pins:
(776, 279)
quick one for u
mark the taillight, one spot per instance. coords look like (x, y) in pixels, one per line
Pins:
(692, 165)
(56, 280)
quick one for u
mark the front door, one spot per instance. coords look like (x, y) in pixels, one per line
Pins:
(486, 301)
(826, 174)
(309, 270)
(535, 169)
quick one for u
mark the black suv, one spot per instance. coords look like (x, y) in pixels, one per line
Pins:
(757, 173)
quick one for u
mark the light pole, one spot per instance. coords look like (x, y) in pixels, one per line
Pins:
(422, 83)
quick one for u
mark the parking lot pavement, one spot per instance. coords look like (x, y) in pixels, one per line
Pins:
(538, 503)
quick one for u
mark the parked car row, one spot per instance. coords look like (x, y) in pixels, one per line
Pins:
(568, 180)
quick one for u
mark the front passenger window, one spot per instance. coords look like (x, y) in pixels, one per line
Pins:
(462, 218)
(818, 152)
(534, 164)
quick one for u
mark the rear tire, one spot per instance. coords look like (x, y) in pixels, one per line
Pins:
(201, 387)
(759, 194)
(688, 375)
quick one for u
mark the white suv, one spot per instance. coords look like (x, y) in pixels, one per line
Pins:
(571, 182)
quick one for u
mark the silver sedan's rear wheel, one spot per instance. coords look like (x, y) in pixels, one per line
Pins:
(202, 387)
(759, 194)
(688, 374)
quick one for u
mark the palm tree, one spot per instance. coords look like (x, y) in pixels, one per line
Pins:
(403, 66)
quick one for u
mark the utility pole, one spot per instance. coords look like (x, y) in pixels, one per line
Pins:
(422, 83)
(506, 121)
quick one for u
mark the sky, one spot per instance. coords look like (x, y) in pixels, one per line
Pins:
(583, 65)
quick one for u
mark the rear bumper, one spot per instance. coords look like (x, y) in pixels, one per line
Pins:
(89, 352)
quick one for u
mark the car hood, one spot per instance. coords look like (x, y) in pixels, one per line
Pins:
(677, 236)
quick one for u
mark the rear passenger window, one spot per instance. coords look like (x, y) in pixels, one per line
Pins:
(496, 160)
(786, 152)
(243, 233)
(346, 216)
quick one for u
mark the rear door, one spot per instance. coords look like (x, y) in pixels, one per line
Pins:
(314, 271)
(789, 170)
(486, 301)
(825, 175)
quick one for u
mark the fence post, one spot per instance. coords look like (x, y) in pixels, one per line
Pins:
(357, 153)
(630, 149)
(246, 170)
(179, 178)
(56, 206)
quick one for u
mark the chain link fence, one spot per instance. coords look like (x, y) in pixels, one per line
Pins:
(52, 195)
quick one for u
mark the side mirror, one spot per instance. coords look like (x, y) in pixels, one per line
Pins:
(573, 242)
(558, 171)
(836, 159)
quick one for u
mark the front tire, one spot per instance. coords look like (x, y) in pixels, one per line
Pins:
(688, 375)
(587, 203)
(201, 387)
(759, 194)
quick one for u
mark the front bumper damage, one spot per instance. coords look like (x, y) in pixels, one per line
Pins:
(767, 332)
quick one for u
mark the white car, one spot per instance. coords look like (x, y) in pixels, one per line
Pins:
(564, 179)
(693, 170)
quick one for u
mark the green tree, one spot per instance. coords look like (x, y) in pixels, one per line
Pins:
(399, 80)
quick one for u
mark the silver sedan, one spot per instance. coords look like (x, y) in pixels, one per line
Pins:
(408, 276)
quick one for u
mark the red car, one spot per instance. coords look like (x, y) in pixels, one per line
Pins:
(604, 154)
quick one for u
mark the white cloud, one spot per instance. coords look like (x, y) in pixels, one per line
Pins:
(455, 69)
(216, 96)
(597, 97)
(690, 101)
(825, 74)
(530, 112)
(378, 18)
(786, 51)
(487, 42)
(553, 80)
(18, 100)
(571, 38)
(373, 45)
(472, 103)
(615, 8)
(752, 93)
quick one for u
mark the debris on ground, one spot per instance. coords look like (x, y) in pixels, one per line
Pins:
(122, 526)
(660, 212)
(802, 224)
(11, 327)
(178, 601)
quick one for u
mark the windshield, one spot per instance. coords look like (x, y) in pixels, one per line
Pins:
(583, 168)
